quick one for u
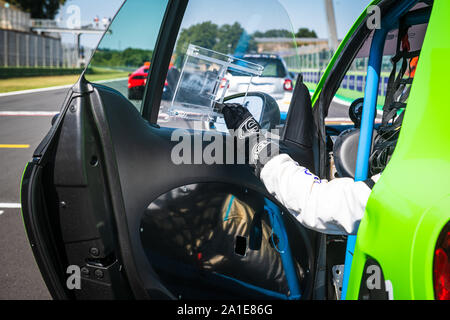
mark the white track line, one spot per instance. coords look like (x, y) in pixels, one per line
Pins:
(28, 113)
(15, 93)
(342, 102)
(10, 206)
(348, 104)
(343, 121)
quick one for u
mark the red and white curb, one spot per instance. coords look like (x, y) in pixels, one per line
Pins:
(343, 121)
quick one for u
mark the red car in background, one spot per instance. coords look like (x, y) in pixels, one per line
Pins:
(137, 81)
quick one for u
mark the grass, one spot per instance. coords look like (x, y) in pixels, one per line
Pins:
(17, 84)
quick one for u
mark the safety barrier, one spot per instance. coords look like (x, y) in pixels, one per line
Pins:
(22, 49)
(353, 81)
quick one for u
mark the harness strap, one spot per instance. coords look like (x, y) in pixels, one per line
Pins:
(370, 183)
(398, 89)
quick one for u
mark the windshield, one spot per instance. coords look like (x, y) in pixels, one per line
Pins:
(255, 31)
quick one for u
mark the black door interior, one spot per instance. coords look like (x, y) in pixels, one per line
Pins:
(141, 226)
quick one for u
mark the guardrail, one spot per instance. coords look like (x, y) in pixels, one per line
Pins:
(353, 80)
(53, 26)
(41, 23)
(21, 49)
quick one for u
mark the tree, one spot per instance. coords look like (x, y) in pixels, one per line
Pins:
(274, 33)
(226, 39)
(305, 33)
(129, 57)
(39, 9)
(202, 34)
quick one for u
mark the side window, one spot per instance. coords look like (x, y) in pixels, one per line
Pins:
(124, 54)
(353, 85)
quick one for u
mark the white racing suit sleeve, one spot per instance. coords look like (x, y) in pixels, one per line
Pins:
(334, 207)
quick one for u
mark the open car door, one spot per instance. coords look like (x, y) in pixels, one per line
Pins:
(103, 194)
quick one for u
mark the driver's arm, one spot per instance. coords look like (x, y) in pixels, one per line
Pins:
(333, 207)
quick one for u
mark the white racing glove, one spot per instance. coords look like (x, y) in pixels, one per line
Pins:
(256, 146)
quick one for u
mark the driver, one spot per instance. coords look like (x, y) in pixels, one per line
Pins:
(332, 207)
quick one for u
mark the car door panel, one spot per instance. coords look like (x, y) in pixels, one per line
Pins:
(100, 171)
(146, 148)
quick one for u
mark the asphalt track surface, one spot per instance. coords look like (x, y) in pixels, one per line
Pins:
(24, 121)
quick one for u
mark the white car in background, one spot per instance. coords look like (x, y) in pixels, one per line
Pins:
(275, 80)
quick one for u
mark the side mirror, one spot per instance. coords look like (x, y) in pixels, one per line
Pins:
(262, 106)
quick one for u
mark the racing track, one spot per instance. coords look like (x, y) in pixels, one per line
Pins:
(24, 121)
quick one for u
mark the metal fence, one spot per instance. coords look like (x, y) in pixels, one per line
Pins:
(319, 61)
(70, 56)
(313, 65)
(21, 49)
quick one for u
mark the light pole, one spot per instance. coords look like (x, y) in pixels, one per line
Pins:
(332, 29)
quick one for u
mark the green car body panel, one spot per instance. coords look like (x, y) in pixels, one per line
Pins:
(410, 204)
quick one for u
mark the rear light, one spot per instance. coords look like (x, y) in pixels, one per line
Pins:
(224, 83)
(288, 86)
(441, 267)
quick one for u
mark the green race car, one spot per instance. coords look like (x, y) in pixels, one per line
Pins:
(116, 206)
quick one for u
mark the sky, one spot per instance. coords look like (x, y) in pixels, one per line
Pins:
(89, 9)
(302, 13)
(346, 11)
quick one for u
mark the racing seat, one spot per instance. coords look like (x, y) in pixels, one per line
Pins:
(345, 152)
